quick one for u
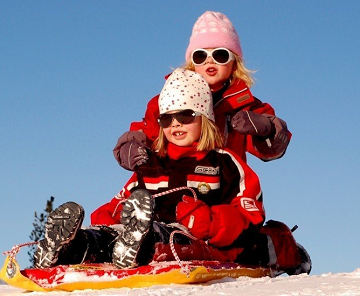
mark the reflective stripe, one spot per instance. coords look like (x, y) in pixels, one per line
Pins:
(242, 186)
(155, 186)
(132, 185)
(195, 184)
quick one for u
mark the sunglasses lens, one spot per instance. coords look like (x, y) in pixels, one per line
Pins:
(165, 120)
(186, 116)
(199, 57)
(221, 56)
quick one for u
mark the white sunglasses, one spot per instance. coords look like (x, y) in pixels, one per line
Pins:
(221, 56)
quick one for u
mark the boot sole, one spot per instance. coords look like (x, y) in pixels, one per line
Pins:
(60, 228)
(136, 216)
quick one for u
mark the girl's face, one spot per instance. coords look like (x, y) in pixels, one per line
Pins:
(216, 75)
(183, 134)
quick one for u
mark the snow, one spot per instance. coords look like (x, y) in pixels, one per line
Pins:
(345, 284)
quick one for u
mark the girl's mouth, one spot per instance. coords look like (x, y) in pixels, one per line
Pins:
(179, 135)
(211, 71)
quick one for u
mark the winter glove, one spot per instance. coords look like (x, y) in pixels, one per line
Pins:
(122, 157)
(248, 122)
(281, 135)
(195, 215)
(275, 146)
(221, 223)
(227, 224)
(133, 154)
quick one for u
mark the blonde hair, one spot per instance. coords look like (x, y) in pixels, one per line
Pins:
(240, 71)
(210, 138)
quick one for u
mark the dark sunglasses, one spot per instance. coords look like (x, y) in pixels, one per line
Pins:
(221, 56)
(184, 117)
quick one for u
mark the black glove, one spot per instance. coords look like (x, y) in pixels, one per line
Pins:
(248, 122)
(132, 154)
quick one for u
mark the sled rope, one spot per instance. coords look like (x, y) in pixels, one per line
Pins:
(15, 249)
(184, 268)
(176, 189)
(123, 199)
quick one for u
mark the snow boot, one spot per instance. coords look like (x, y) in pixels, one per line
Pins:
(136, 216)
(305, 264)
(60, 229)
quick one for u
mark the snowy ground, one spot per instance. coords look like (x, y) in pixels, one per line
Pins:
(327, 284)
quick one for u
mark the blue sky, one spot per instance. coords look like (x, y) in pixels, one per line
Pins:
(74, 74)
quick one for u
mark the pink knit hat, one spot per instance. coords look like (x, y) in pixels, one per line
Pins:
(211, 30)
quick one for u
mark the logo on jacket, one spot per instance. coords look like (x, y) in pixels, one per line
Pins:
(204, 187)
(248, 204)
(207, 170)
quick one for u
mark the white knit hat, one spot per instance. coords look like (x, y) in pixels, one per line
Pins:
(185, 89)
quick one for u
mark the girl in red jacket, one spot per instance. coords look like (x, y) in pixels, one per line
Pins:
(208, 194)
(229, 198)
(248, 125)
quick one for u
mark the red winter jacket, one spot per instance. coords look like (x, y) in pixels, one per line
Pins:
(236, 97)
(226, 178)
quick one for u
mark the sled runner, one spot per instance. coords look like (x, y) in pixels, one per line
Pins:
(105, 275)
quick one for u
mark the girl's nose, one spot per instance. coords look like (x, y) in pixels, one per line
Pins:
(211, 61)
(175, 123)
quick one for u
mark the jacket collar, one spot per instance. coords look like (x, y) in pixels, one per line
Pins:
(237, 95)
(177, 152)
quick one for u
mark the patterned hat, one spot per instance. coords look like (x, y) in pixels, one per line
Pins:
(185, 89)
(212, 30)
